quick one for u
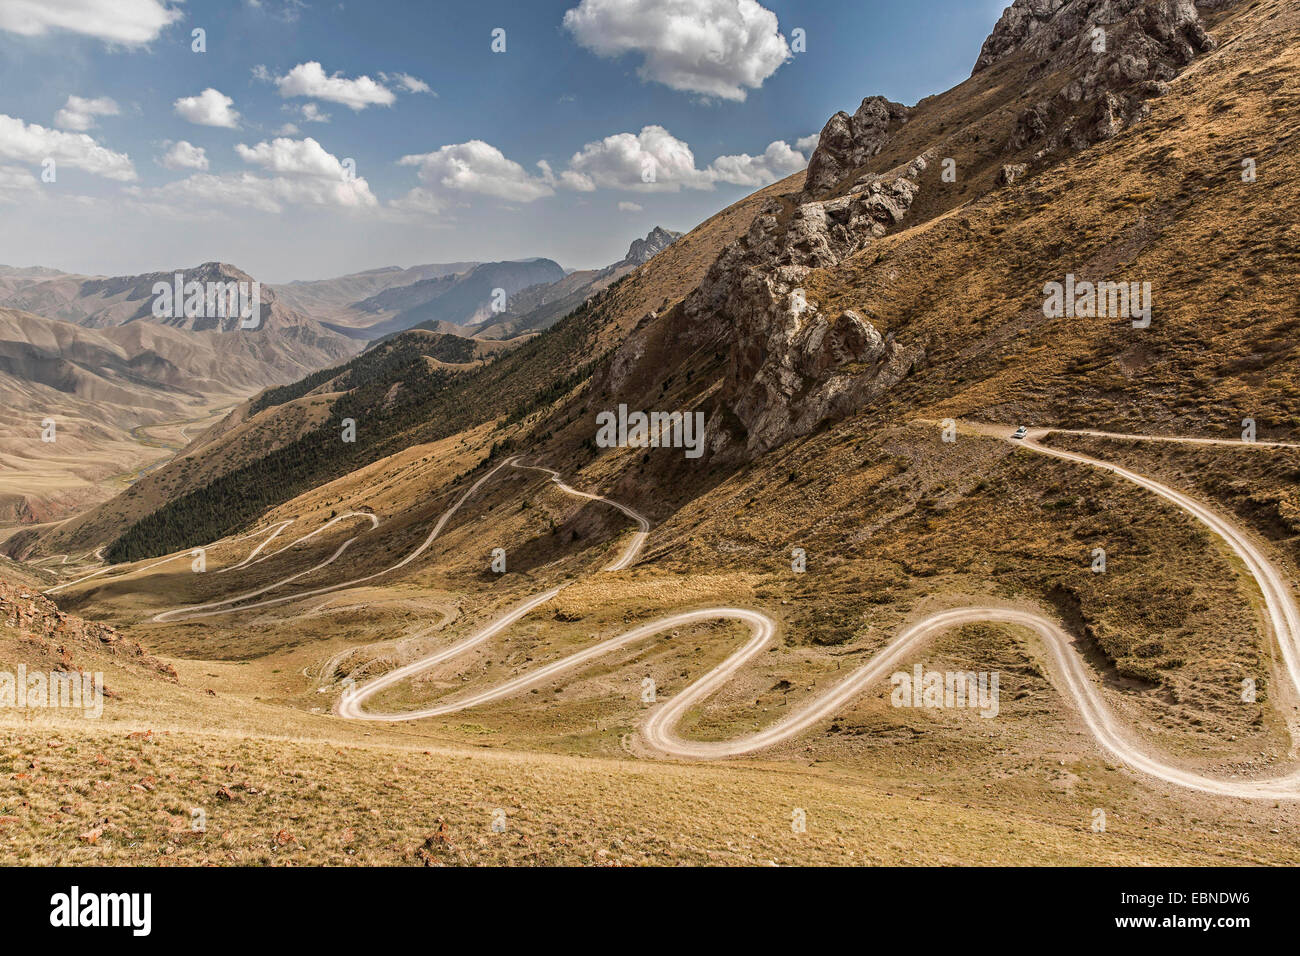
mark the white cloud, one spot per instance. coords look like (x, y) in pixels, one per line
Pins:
(79, 113)
(407, 83)
(287, 11)
(806, 144)
(294, 157)
(303, 173)
(35, 144)
(777, 162)
(288, 129)
(420, 202)
(185, 155)
(15, 177)
(650, 161)
(656, 161)
(718, 48)
(309, 79)
(311, 113)
(128, 22)
(209, 108)
(263, 194)
(476, 167)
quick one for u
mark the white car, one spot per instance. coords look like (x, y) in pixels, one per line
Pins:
(1021, 432)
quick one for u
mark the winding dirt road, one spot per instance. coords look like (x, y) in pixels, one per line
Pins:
(658, 730)
(1284, 619)
(205, 610)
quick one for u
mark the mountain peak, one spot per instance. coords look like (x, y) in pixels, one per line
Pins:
(216, 272)
(656, 241)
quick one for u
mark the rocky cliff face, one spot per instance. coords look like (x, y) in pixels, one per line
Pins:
(1115, 54)
(1047, 28)
(847, 142)
(792, 366)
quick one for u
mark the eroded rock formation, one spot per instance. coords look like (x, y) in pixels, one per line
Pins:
(1118, 55)
(791, 366)
(848, 142)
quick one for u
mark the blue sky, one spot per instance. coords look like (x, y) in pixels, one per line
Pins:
(165, 157)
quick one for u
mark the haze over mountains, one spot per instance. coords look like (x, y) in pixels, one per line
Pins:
(329, 298)
(363, 306)
(455, 302)
(462, 297)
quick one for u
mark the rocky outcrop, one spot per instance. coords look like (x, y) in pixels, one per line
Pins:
(1061, 30)
(821, 347)
(1023, 21)
(792, 367)
(1011, 172)
(57, 638)
(1118, 54)
(848, 142)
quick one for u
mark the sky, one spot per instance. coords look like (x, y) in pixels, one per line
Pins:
(299, 139)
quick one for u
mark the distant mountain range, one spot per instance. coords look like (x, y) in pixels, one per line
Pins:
(540, 307)
(329, 299)
(94, 350)
(287, 343)
(462, 298)
(308, 325)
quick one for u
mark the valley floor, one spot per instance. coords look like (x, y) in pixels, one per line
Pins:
(52, 481)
